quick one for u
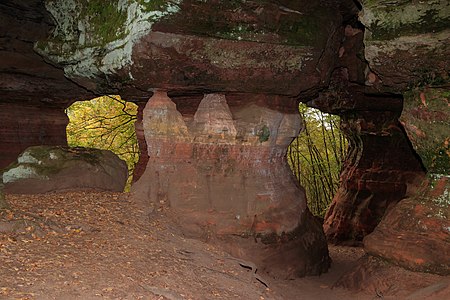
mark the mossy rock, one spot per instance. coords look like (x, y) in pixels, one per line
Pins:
(42, 169)
(426, 118)
(391, 19)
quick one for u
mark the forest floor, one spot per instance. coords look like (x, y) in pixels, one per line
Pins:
(91, 245)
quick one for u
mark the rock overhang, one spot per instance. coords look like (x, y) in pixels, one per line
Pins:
(131, 47)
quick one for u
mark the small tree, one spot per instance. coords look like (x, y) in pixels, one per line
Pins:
(316, 156)
(3, 203)
(105, 123)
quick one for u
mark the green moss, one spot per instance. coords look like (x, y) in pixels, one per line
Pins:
(264, 134)
(427, 110)
(258, 21)
(106, 20)
(387, 20)
(424, 24)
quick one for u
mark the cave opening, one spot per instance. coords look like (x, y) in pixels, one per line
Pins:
(316, 157)
(107, 123)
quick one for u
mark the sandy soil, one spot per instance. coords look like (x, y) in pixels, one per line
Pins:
(90, 245)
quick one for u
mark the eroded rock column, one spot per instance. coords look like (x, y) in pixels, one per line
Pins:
(225, 171)
(416, 233)
(380, 168)
(413, 60)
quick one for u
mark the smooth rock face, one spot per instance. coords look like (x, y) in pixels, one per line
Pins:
(42, 169)
(225, 169)
(24, 126)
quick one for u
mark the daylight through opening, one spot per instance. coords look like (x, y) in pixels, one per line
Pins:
(105, 123)
(316, 157)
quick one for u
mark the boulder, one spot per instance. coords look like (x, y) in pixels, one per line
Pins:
(41, 169)
(416, 233)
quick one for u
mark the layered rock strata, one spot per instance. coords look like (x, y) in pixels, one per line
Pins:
(23, 126)
(416, 234)
(380, 169)
(407, 46)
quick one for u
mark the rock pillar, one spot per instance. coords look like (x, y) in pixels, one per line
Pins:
(379, 170)
(224, 169)
(416, 233)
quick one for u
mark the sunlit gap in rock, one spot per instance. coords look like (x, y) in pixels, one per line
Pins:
(316, 157)
(106, 123)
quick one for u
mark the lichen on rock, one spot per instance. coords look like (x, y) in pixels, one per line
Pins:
(385, 19)
(406, 41)
(41, 169)
(426, 118)
(94, 37)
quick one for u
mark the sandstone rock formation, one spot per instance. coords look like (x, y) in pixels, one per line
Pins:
(379, 170)
(409, 54)
(416, 234)
(217, 162)
(26, 125)
(42, 169)
(224, 171)
(193, 45)
(234, 72)
(143, 155)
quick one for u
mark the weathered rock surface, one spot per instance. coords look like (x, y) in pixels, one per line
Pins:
(373, 275)
(260, 47)
(426, 119)
(213, 146)
(407, 45)
(407, 42)
(41, 169)
(26, 78)
(380, 168)
(225, 170)
(416, 233)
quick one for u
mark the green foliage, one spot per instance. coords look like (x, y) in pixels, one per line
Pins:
(316, 156)
(105, 123)
(264, 134)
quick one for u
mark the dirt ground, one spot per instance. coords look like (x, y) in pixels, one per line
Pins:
(91, 245)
